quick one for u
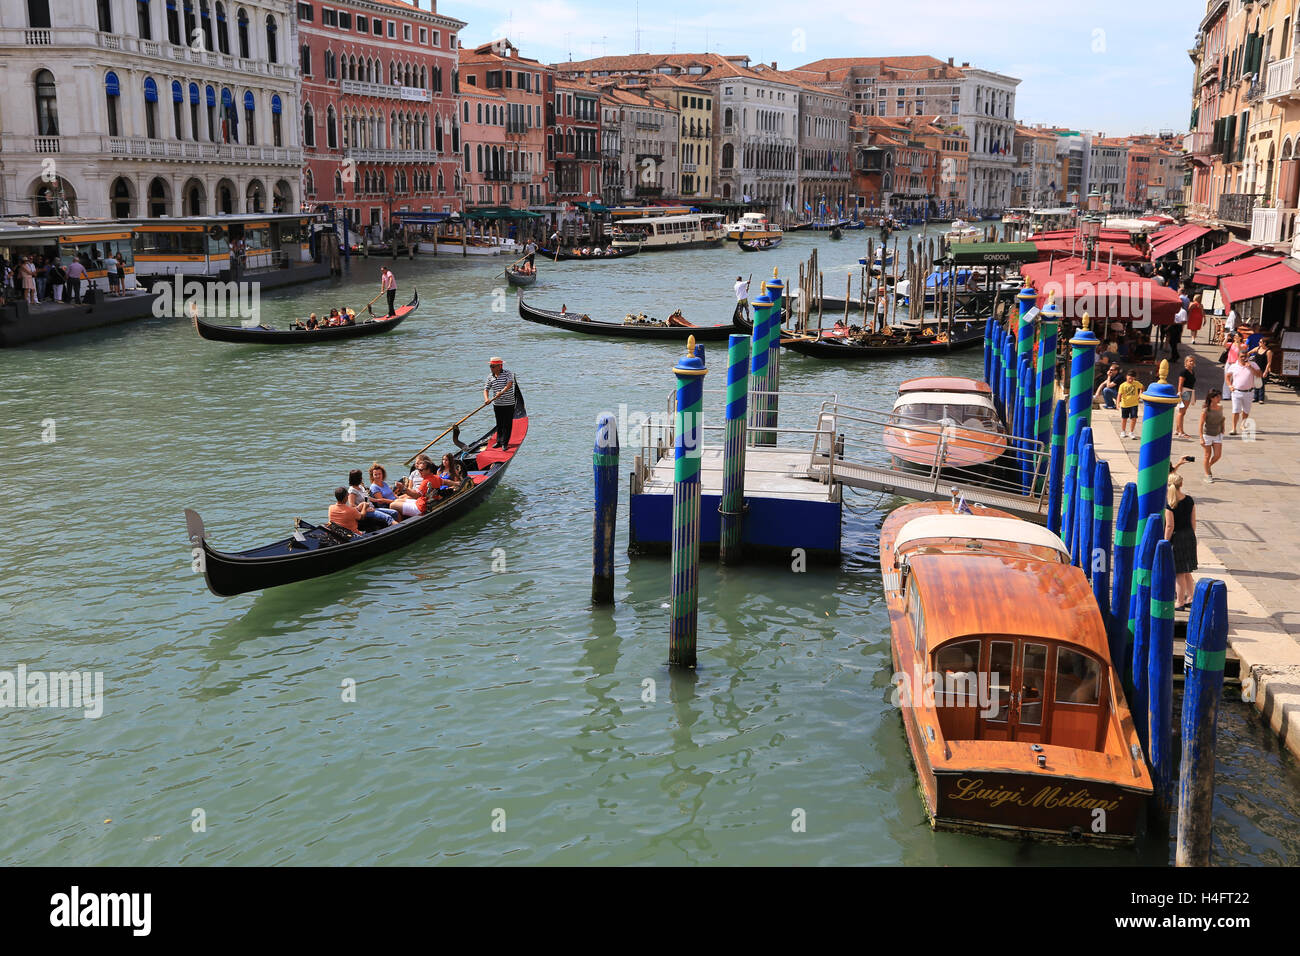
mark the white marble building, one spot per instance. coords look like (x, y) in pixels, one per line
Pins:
(144, 108)
(987, 116)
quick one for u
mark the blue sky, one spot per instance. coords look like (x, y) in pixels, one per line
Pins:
(1112, 66)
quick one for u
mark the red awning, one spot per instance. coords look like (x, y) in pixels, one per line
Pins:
(1221, 254)
(1160, 219)
(1104, 293)
(1109, 235)
(1165, 242)
(1212, 275)
(1254, 284)
(1122, 252)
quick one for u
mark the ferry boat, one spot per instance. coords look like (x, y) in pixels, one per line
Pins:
(752, 226)
(1012, 708)
(955, 413)
(691, 231)
(221, 247)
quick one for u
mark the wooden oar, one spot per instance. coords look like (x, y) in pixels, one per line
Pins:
(461, 422)
(372, 301)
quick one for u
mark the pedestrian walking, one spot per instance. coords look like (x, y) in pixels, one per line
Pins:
(388, 285)
(1195, 317)
(1130, 396)
(500, 390)
(1174, 334)
(1239, 376)
(1180, 532)
(1186, 395)
(1211, 432)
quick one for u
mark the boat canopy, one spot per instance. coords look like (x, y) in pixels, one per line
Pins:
(994, 253)
(977, 527)
(944, 383)
(975, 399)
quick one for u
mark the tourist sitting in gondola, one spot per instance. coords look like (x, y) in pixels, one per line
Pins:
(312, 322)
(452, 472)
(425, 492)
(343, 514)
(374, 517)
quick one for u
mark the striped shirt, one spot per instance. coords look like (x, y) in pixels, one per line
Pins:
(496, 383)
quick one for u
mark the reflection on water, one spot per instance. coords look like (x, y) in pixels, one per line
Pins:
(476, 688)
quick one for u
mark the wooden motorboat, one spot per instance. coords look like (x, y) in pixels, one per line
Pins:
(674, 327)
(618, 252)
(758, 245)
(957, 429)
(263, 335)
(924, 341)
(316, 550)
(1014, 714)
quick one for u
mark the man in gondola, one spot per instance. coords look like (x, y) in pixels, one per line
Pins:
(500, 389)
(388, 284)
(742, 296)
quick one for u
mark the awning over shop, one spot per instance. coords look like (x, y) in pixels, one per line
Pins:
(1121, 252)
(421, 218)
(1106, 294)
(993, 253)
(1164, 220)
(1169, 241)
(1221, 254)
(1252, 285)
(592, 206)
(1212, 276)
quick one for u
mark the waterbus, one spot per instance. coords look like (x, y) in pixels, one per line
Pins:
(691, 231)
(201, 246)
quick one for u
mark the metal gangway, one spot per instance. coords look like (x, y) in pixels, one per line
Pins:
(850, 449)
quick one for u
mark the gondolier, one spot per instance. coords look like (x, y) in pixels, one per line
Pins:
(742, 296)
(500, 390)
(388, 284)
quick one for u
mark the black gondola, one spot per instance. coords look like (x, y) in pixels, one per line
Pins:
(758, 245)
(314, 551)
(617, 253)
(577, 322)
(261, 335)
(967, 335)
(517, 278)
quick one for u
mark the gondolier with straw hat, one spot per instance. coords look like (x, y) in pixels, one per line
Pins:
(500, 390)
(388, 284)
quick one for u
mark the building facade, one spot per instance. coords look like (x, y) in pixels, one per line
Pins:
(825, 165)
(380, 126)
(647, 137)
(115, 113)
(694, 105)
(1035, 174)
(573, 142)
(484, 170)
(988, 118)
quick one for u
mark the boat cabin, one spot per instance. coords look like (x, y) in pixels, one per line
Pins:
(957, 409)
(944, 383)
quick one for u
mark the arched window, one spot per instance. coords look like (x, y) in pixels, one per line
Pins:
(441, 182)
(437, 135)
(47, 106)
(331, 132)
(119, 198)
(277, 135)
(157, 198)
(728, 156)
(242, 19)
(210, 107)
(178, 106)
(338, 184)
(250, 105)
(223, 33)
(150, 107)
(455, 137)
(229, 117)
(112, 90)
(272, 50)
(194, 111)
(308, 127)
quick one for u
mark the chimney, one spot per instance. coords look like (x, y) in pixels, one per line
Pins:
(965, 66)
(950, 61)
(774, 64)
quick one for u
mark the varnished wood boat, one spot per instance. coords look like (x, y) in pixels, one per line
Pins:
(580, 322)
(1014, 713)
(619, 252)
(314, 551)
(262, 335)
(912, 342)
(962, 421)
(758, 245)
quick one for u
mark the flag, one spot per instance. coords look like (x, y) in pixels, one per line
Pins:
(807, 206)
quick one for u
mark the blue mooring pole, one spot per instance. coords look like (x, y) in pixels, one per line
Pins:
(1069, 494)
(732, 504)
(685, 589)
(605, 467)
(1160, 677)
(1087, 465)
(1121, 592)
(1140, 622)
(1103, 507)
(1207, 644)
(1056, 470)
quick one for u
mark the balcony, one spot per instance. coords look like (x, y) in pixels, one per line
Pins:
(516, 127)
(392, 155)
(649, 190)
(586, 155)
(521, 176)
(1236, 208)
(689, 167)
(1197, 144)
(411, 93)
(495, 176)
(1268, 226)
(140, 147)
(1280, 80)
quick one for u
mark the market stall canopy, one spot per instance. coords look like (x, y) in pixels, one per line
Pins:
(993, 253)
(1168, 241)
(1163, 220)
(1120, 252)
(1252, 285)
(1221, 254)
(1105, 235)
(1212, 276)
(1109, 294)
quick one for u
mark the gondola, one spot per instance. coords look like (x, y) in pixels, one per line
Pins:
(966, 336)
(577, 322)
(618, 253)
(522, 279)
(262, 335)
(758, 245)
(837, 233)
(314, 550)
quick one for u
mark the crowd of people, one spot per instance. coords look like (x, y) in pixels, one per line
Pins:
(359, 507)
(40, 278)
(336, 318)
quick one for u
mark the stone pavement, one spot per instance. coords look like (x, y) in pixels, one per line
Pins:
(1248, 532)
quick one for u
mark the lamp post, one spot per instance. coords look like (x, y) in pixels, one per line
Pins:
(1090, 228)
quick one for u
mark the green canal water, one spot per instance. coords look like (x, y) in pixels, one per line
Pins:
(487, 689)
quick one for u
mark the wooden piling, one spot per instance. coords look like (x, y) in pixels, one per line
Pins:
(1207, 643)
(1160, 678)
(690, 373)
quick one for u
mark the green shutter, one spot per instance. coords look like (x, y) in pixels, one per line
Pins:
(1241, 139)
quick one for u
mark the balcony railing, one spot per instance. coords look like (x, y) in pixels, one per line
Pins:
(392, 155)
(140, 147)
(1280, 80)
(649, 190)
(516, 126)
(1268, 226)
(689, 167)
(1197, 144)
(521, 176)
(495, 175)
(1237, 207)
(412, 93)
(36, 37)
(46, 144)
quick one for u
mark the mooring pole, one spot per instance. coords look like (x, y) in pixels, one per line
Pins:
(731, 506)
(1008, 379)
(1120, 636)
(1160, 678)
(1207, 644)
(685, 591)
(1158, 403)
(1069, 520)
(1047, 329)
(1024, 417)
(1083, 508)
(759, 368)
(1055, 469)
(1140, 623)
(989, 325)
(605, 467)
(1103, 509)
(774, 289)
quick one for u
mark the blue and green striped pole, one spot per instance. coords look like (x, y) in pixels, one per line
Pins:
(1025, 420)
(1083, 508)
(1083, 360)
(1056, 469)
(997, 382)
(1103, 508)
(1009, 380)
(1069, 498)
(1207, 645)
(685, 598)
(1140, 622)
(731, 506)
(1121, 593)
(1025, 327)
(989, 325)
(759, 369)
(774, 289)
(604, 462)
(1158, 403)
(1047, 329)
(1160, 677)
